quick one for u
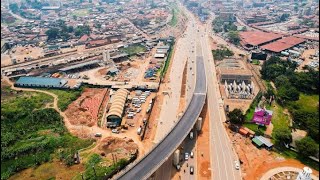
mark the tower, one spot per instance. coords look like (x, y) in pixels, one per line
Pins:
(305, 174)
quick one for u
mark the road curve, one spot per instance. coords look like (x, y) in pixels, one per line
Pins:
(157, 156)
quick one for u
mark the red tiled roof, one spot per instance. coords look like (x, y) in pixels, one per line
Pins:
(84, 38)
(256, 38)
(283, 44)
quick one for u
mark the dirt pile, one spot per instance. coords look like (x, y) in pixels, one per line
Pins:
(122, 148)
(84, 110)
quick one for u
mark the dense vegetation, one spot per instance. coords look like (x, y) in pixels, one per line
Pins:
(295, 91)
(61, 30)
(32, 134)
(95, 171)
(220, 54)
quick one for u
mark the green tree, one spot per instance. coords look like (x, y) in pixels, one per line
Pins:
(52, 33)
(282, 136)
(236, 116)
(307, 147)
(234, 37)
(14, 7)
(282, 80)
(70, 29)
(288, 93)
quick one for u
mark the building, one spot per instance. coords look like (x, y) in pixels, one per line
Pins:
(262, 116)
(230, 75)
(79, 67)
(251, 39)
(282, 44)
(305, 174)
(118, 100)
(261, 141)
(40, 82)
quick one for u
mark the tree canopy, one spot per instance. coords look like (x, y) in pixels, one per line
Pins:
(236, 116)
(282, 136)
(307, 147)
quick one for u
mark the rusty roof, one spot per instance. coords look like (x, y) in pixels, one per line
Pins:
(283, 44)
(255, 38)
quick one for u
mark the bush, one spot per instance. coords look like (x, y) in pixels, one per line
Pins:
(282, 136)
(307, 147)
(236, 116)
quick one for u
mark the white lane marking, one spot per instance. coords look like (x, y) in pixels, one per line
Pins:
(219, 140)
(225, 135)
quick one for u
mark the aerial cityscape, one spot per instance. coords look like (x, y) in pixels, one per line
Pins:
(160, 89)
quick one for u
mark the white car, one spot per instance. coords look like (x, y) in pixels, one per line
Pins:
(186, 156)
(237, 165)
(191, 154)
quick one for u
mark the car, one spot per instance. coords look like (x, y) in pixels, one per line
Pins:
(115, 131)
(191, 154)
(138, 110)
(191, 169)
(191, 135)
(186, 156)
(236, 165)
(98, 135)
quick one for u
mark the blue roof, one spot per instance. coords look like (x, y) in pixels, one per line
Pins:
(40, 81)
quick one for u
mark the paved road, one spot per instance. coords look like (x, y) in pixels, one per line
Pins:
(145, 167)
(222, 155)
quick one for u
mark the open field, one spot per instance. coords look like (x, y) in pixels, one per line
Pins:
(133, 50)
(66, 97)
(80, 12)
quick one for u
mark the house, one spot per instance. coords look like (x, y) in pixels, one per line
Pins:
(261, 141)
(262, 116)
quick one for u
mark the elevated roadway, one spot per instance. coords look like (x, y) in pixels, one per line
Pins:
(158, 155)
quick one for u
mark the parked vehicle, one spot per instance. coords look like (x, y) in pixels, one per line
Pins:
(191, 154)
(186, 156)
(98, 135)
(191, 169)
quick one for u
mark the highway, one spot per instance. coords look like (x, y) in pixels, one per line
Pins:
(154, 159)
(222, 153)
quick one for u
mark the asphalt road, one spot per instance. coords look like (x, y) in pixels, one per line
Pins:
(222, 155)
(147, 165)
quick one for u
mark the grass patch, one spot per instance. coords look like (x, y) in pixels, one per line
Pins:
(133, 50)
(279, 118)
(94, 169)
(32, 134)
(307, 103)
(254, 127)
(65, 97)
(290, 154)
(166, 65)
(255, 62)
(174, 19)
(80, 12)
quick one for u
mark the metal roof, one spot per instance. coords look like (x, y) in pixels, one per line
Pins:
(40, 81)
(257, 141)
(79, 65)
(118, 102)
(264, 140)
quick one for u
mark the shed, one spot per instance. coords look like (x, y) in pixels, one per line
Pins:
(115, 113)
(243, 132)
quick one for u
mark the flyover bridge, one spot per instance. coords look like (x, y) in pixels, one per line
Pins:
(145, 167)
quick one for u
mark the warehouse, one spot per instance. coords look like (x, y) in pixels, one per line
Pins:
(40, 82)
(81, 66)
(257, 38)
(237, 75)
(118, 100)
(282, 44)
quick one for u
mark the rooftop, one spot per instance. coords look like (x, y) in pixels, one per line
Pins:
(79, 65)
(40, 81)
(232, 71)
(283, 44)
(256, 38)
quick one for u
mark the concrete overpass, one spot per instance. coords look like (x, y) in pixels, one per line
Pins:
(145, 167)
